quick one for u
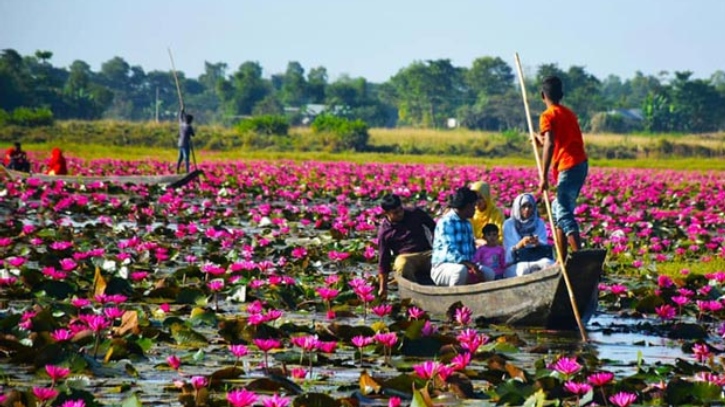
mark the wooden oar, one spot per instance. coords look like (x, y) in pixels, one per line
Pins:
(181, 104)
(540, 168)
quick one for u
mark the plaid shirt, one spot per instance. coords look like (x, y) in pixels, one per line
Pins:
(453, 241)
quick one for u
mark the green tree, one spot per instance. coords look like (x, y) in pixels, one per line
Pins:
(244, 90)
(698, 106)
(294, 85)
(15, 81)
(489, 76)
(316, 85)
(427, 93)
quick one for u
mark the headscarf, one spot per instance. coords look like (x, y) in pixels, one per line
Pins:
(492, 213)
(524, 227)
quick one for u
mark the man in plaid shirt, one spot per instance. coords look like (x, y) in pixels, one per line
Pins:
(453, 243)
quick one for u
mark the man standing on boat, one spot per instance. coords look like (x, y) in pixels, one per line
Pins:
(563, 146)
(404, 233)
(186, 132)
(453, 244)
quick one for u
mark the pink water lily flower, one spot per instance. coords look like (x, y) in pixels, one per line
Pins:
(577, 388)
(61, 335)
(276, 401)
(427, 370)
(600, 378)
(566, 366)
(463, 315)
(174, 362)
(238, 350)
(199, 381)
(44, 394)
(382, 310)
(57, 372)
(415, 313)
(623, 399)
(460, 361)
(16, 261)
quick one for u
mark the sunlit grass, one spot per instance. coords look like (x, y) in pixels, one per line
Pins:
(96, 151)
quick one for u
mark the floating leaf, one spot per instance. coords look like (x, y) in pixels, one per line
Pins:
(186, 336)
(58, 289)
(131, 401)
(129, 324)
(275, 383)
(315, 400)
(220, 376)
(99, 283)
(201, 316)
(368, 385)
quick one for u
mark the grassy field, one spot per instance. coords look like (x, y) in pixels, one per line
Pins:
(95, 151)
(413, 146)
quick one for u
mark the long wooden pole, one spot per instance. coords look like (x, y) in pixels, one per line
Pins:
(181, 104)
(540, 168)
(176, 79)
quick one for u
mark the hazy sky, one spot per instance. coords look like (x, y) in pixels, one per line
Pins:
(373, 38)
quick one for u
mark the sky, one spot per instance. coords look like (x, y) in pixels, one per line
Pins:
(373, 39)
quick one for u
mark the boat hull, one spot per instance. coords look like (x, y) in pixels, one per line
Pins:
(539, 299)
(170, 181)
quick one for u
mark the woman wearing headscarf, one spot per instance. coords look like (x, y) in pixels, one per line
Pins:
(486, 211)
(57, 164)
(523, 232)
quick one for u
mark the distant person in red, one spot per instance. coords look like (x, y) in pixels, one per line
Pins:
(57, 164)
(16, 159)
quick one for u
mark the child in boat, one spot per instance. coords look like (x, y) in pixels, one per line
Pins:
(491, 257)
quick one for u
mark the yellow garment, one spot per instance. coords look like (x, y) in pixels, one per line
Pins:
(492, 213)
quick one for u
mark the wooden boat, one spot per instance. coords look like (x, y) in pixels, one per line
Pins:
(539, 299)
(170, 181)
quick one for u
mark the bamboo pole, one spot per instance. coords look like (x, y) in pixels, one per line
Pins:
(540, 169)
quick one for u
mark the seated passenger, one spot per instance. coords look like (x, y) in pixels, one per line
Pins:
(16, 159)
(404, 233)
(486, 212)
(57, 164)
(453, 243)
(524, 239)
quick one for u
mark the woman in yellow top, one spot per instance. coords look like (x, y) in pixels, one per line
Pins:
(486, 211)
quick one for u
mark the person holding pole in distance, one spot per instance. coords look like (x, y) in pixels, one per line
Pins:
(563, 146)
(186, 132)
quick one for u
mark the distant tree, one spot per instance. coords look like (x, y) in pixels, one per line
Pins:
(427, 93)
(14, 81)
(698, 107)
(269, 106)
(489, 76)
(244, 90)
(640, 88)
(294, 85)
(316, 84)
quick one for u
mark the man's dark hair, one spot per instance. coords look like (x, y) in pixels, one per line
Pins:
(17, 145)
(552, 88)
(189, 118)
(390, 202)
(462, 197)
(490, 227)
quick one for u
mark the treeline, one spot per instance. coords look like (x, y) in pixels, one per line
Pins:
(484, 96)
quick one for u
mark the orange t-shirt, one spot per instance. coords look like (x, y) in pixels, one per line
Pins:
(568, 140)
